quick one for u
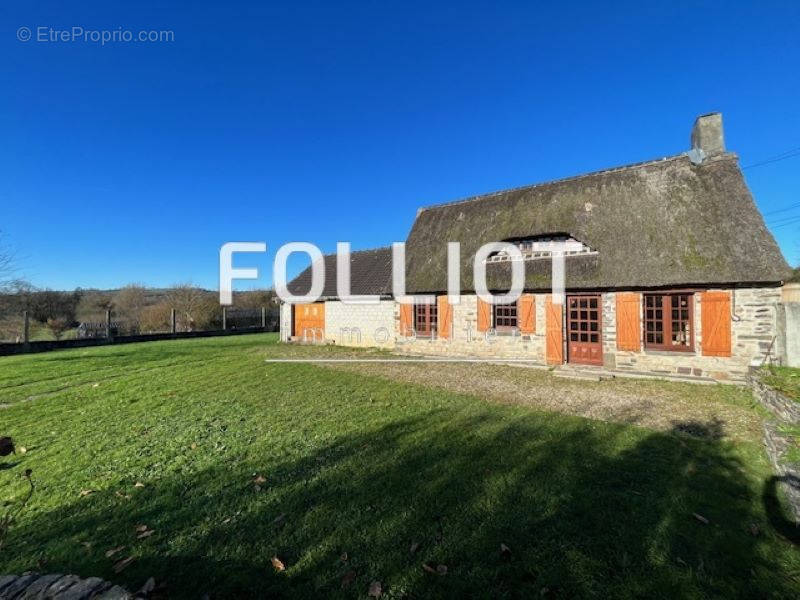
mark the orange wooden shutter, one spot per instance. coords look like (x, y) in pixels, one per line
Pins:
(628, 323)
(526, 309)
(406, 318)
(444, 316)
(554, 349)
(715, 314)
(484, 315)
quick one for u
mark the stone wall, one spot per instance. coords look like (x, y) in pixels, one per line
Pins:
(753, 331)
(467, 341)
(784, 408)
(360, 324)
(61, 587)
(777, 445)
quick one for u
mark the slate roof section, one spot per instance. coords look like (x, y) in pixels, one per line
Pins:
(370, 274)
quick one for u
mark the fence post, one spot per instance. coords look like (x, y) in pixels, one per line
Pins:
(224, 318)
(26, 328)
(108, 324)
(172, 320)
(263, 317)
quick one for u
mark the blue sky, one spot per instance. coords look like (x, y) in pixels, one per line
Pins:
(325, 121)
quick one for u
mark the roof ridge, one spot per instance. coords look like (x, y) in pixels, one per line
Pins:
(636, 165)
(370, 249)
(352, 252)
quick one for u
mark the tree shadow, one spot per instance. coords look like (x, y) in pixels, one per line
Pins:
(784, 526)
(586, 511)
(710, 430)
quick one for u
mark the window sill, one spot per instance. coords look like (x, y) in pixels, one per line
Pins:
(509, 329)
(660, 352)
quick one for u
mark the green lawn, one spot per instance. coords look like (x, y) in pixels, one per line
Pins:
(366, 465)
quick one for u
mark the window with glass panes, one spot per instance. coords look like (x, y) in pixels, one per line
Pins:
(425, 318)
(505, 315)
(584, 319)
(668, 322)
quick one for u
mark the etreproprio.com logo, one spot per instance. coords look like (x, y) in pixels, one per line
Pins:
(79, 34)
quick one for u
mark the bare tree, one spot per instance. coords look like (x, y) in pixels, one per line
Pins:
(58, 326)
(129, 302)
(255, 299)
(195, 308)
(155, 317)
(93, 305)
(51, 304)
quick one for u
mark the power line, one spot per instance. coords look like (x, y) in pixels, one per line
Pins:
(773, 159)
(780, 210)
(789, 218)
(795, 220)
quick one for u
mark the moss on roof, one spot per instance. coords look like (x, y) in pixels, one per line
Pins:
(661, 223)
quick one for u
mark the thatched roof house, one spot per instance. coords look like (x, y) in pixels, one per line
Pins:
(671, 270)
(666, 222)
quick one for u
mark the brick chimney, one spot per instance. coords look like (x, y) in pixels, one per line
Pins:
(707, 135)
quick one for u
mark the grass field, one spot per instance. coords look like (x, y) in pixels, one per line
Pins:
(339, 473)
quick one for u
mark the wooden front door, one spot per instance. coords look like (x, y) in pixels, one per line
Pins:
(309, 321)
(584, 330)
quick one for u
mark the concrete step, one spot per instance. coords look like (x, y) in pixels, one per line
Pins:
(604, 374)
(670, 377)
(576, 375)
(583, 372)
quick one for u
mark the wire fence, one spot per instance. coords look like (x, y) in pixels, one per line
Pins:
(23, 329)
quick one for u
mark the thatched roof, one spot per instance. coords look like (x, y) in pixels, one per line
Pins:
(370, 274)
(667, 222)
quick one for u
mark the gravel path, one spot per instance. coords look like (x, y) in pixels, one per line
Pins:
(700, 410)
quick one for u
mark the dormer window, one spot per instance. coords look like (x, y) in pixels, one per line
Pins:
(543, 247)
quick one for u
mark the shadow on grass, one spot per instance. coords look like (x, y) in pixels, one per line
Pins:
(587, 511)
(785, 527)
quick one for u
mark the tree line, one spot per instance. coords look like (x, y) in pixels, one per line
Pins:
(135, 308)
